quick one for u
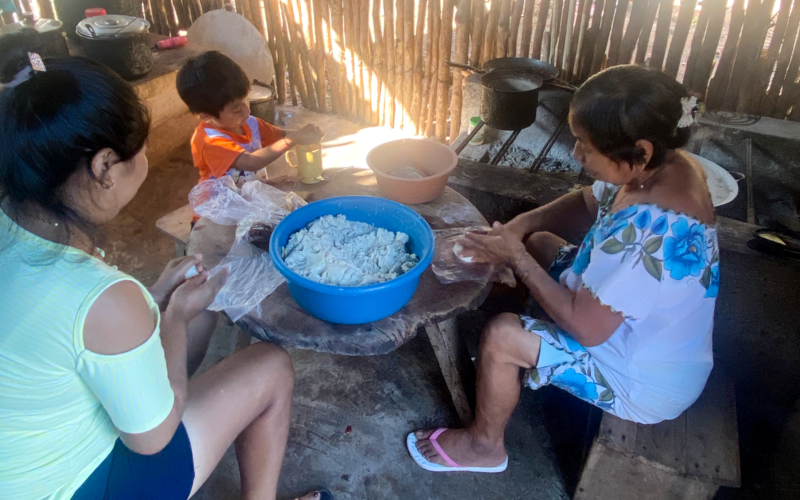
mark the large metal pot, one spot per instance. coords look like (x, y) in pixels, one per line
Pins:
(120, 42)
(509, 99)
(545, 71)
(262, 102)
(51, 33)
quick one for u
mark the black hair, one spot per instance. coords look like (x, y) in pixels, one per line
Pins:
(628, 103)
(209, 82)
(55, 122)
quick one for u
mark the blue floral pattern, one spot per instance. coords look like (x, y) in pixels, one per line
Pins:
(580, 377)
(635, 231)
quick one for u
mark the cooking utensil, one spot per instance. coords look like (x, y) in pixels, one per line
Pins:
(432, 158)
(545, 70)
(362, 304)
(72, 12)
(262, 101)
(51, 33)
(721, 184)
(509, 99)
(119, 42)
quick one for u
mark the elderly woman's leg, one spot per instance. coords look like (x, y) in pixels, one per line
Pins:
(246, 398)
(544, 247)
(506, 348)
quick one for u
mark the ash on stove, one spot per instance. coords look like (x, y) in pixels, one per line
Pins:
(522, 158)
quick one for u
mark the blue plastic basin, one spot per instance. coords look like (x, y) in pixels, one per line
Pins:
(362, 304)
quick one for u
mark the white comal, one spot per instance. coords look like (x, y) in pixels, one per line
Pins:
(335, 251)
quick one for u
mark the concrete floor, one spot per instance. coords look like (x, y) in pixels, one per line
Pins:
(380, 398)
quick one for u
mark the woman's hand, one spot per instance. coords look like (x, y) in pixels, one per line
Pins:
(172, 276)
(501, 246)
(195, 295)
(309, 134)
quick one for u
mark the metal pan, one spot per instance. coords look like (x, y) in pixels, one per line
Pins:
(523, 64)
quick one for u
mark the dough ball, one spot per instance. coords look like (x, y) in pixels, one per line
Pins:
(458, 250)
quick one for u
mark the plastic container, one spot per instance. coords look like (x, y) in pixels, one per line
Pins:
(433, 159)
(172, 43)
(363, 304)
(94, 12)
(478, 139)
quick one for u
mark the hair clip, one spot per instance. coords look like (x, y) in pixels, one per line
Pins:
(36, 62)
(689, 105)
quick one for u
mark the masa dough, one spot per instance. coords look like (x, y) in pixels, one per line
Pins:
(335, 251)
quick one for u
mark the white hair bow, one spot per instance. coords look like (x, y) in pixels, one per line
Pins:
(689, 104)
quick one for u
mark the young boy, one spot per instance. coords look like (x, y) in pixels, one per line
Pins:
(228, 141)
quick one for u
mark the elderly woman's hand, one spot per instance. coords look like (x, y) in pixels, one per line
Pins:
(501, 246)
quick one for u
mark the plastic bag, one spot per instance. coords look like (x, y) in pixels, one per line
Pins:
(255, 209)
(449, 268)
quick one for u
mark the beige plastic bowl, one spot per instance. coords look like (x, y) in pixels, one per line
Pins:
(433, 159)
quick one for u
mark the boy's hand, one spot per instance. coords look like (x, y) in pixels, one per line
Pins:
(309, 134)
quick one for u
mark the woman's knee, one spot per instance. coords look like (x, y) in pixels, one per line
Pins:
(271, 363)
(501, 333)
(544, 247)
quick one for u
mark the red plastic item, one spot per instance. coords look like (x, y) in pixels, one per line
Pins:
(94, 12)
(171, 43)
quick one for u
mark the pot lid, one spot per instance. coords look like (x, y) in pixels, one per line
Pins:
(41, 25)
(259, 93)
(111, 26)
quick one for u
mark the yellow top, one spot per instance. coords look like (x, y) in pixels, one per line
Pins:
(61, 406)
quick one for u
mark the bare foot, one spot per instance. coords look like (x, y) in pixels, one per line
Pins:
(314, 495)
(462, 449)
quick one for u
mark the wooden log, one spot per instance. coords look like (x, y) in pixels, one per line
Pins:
(490, 35)
(566, 64)
(592, 35)
(373, 97)
(379, 67)
(304, 27)
(527, 28)
(632, 32)
(562, 33)
(555, 25)
(319, 46)
(663, 24)
(617, 32)
(419, 68)
(679, 36)
(148, 13)
(541, 24)
(766, 65)
(705, 60)
(408, 64)
(516, 19)
(503, 29)
(46, 9)
(274, 21)
(242, 7)
(697, 43)
(647, 30)
(746, 92)
(430, 122)
(784, 57)
(478, 28)
(445, 77)
(258, 19)
(296, 83)
(431, 41)
(388, 43)
(367, 77)
(460, 56)
(602, 36)
(546, 46)
(305, 82)
(353, 75)
(340, 56)
(582, 26)
(399, 45)
(171, 28)
(719, 84)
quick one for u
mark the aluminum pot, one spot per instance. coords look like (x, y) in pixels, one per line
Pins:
(262, 102)
(120, 42)
(51, 33)
(509, 99)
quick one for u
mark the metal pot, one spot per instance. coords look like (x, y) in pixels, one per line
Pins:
(51, 32)
(509, 99)
(71, 12)
(262, 102)
(545, 71)
(120, 42)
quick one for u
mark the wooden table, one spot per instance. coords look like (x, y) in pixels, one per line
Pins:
(434, 306)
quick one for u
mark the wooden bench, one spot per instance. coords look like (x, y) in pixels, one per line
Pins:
(177, 225)
(686, 458)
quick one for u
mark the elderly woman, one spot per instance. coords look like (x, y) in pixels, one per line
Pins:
(632, 308)
(95, 396)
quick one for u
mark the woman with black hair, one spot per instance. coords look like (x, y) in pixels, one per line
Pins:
(632, 308)
(95, 396)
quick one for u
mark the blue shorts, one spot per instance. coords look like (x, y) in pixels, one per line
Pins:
(124, 474)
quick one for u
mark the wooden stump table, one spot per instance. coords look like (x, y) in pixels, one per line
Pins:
(434, 306)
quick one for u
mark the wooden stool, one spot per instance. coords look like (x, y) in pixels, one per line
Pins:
(177, 225)
(689, 457)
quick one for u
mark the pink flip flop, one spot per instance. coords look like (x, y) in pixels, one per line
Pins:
(411, 443)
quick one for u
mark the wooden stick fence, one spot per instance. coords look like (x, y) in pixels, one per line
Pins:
(385, 62)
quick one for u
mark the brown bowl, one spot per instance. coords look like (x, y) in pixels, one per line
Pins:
(432, 159)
